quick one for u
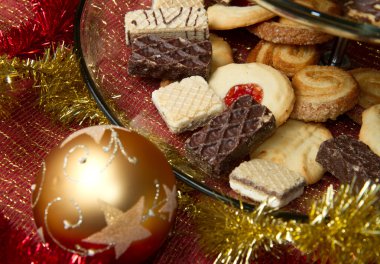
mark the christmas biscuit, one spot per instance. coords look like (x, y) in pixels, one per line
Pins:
(222, 17)
(262, 180)
(294, 145)
(323, 92)
(277, 91)
(187, 104)
(370, 129)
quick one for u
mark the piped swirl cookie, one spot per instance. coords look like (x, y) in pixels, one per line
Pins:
(323, 92)
(287, 58)
(277, 91)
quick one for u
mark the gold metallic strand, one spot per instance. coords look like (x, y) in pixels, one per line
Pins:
(343, 227)
(57, 80)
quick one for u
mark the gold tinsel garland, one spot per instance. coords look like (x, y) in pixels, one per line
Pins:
(58, 82)
(343, 227)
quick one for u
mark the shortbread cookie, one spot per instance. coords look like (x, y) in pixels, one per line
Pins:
(185, 22)
(176, 3)
(347, 158)
(370, 129)
(286, 31)
(369, 84)
(294, 145)
(187, 104)
(287, 58)
(223, 143)
(172, 59)
(262, 180)
(222, 17)
(221, 52)
(323, 92)
(278, 94)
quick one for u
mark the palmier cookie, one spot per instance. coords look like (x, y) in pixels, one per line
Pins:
(287, 58)
(222, 17)
(277, 92)
(286, 31)
(295, 145)
(221, 52)
(369, 84)
(370, 129)
(323, 92)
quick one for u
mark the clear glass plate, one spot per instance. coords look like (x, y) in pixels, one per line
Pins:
(126, 100)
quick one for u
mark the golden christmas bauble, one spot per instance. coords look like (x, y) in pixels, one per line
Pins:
(105, 191)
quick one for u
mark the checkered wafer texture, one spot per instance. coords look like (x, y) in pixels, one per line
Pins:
(188, 104)
(173, 59)
(229, 137)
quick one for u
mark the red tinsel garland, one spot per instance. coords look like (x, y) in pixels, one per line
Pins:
(51, 23)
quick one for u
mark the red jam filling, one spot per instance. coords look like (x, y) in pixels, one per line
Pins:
(236, 91)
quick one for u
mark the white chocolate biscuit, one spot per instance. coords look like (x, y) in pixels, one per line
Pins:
(295, 145)
(176, 3)
(370, 130)
(221, 52)
(222, 17)
(278, 94)
(262, 180)
(184, 22)
(187, 104)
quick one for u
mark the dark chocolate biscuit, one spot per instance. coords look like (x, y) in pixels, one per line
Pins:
(172, 59)
(224, 142)
(347, 158)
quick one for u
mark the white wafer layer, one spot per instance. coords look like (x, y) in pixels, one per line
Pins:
(261, 180)
(185, 22)
(187, 104)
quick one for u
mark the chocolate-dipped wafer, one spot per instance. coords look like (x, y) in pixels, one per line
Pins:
(173, 59)
(185, 22)
(347, 158)
(223, 143)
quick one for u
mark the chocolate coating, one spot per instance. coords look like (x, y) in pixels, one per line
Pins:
(173, 59)
(347, 158)
(223, 143)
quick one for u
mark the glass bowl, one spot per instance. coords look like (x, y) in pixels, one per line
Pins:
(126, 100)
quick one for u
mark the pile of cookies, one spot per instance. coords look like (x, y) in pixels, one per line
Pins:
(270, 109)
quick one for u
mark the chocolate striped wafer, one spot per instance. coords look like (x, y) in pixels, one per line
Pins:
(185, 22)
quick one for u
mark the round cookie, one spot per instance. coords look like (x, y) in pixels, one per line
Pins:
(370, 129)
(287, 58)
(221, 52)
(286, 31)
(369, 84)
(278, 94)
(323, 92)
(295, 145)
(222, 17)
